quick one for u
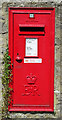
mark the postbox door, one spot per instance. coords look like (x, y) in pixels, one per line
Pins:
(33, 56)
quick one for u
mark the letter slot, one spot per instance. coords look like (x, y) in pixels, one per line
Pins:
(31, 30)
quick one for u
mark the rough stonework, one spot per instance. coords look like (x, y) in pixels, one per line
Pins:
(58, 47)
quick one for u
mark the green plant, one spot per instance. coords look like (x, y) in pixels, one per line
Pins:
(6, 78)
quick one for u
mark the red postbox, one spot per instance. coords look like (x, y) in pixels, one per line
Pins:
(31, 47)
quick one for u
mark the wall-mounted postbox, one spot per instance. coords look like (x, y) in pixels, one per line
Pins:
(31, 47)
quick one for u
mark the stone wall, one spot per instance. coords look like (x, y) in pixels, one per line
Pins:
(61, 58)
(58, 44)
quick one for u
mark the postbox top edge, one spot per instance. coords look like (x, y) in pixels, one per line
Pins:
(31, 8)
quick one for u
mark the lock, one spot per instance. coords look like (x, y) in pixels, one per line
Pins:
(18, 59)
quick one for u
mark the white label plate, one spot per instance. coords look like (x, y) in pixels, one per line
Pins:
(31, 47)
(32, 60)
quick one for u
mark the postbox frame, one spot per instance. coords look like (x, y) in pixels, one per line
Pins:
(15, 10)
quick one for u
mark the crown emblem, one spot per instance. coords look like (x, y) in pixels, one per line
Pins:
(31, 79)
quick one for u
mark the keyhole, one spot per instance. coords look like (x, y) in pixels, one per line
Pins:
(17, 53)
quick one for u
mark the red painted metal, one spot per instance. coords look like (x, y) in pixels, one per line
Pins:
(33, 83)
